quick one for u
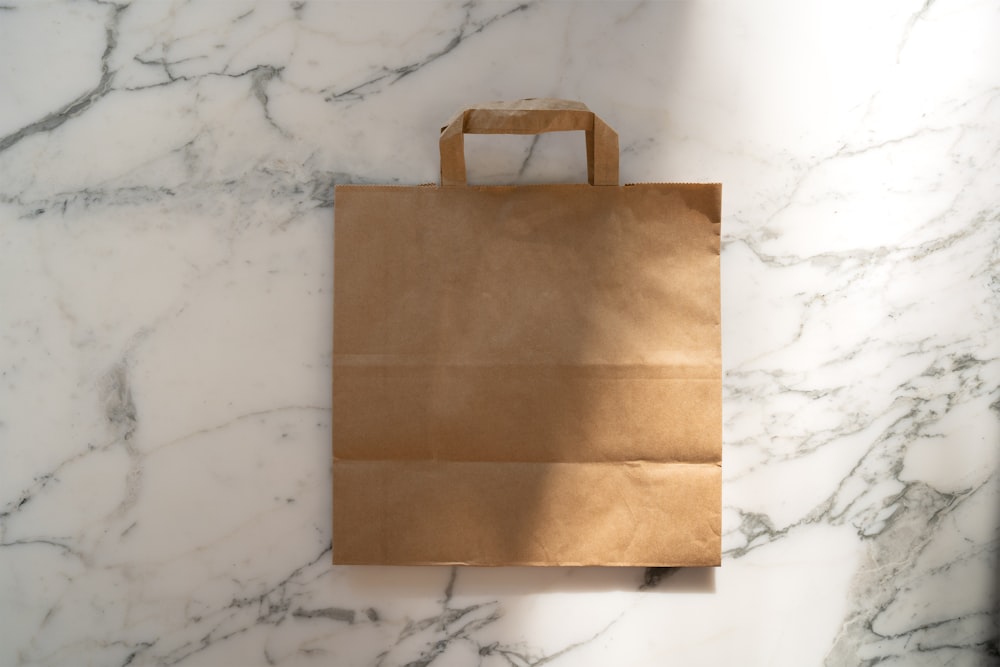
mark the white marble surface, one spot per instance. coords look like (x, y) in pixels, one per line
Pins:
(166, 173)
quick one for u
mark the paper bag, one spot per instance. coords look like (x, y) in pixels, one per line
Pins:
(527, 375)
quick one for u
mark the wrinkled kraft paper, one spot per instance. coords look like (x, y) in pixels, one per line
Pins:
(527, 375)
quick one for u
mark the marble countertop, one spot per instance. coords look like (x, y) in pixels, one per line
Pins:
(166, 212)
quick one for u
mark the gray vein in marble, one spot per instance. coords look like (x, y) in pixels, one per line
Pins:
(84, 101)
(267, 608)
(121, 413)
(119, 404)
(423, 641)
(41, 482)
(389, 76)
(52, 543)
(881, 461)
(419, 642)
(856, 260)
(897, 519)
(528, 156)
(897, 550)
(912, 21)
(859, 255)
(260, 77)
(332, 613)
(316, 191)
(791, 195)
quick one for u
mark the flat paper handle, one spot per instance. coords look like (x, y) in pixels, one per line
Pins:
(532, 116)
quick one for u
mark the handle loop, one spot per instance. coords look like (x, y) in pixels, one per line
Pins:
(530, 116)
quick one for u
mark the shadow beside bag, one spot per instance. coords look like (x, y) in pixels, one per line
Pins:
(527, 375)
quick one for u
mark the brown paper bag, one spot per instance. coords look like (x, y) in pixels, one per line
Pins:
(527, 375)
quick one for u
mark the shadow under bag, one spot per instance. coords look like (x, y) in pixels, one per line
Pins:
(527, 375)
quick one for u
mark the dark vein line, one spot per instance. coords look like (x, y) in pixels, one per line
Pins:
(909, 26)
(394, 74)
(84, 101)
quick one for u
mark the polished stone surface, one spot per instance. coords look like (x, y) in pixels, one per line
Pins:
(166, 212)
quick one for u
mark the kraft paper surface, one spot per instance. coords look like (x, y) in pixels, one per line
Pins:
(527, 375)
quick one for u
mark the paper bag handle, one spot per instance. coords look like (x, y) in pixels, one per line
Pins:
(530, 116)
